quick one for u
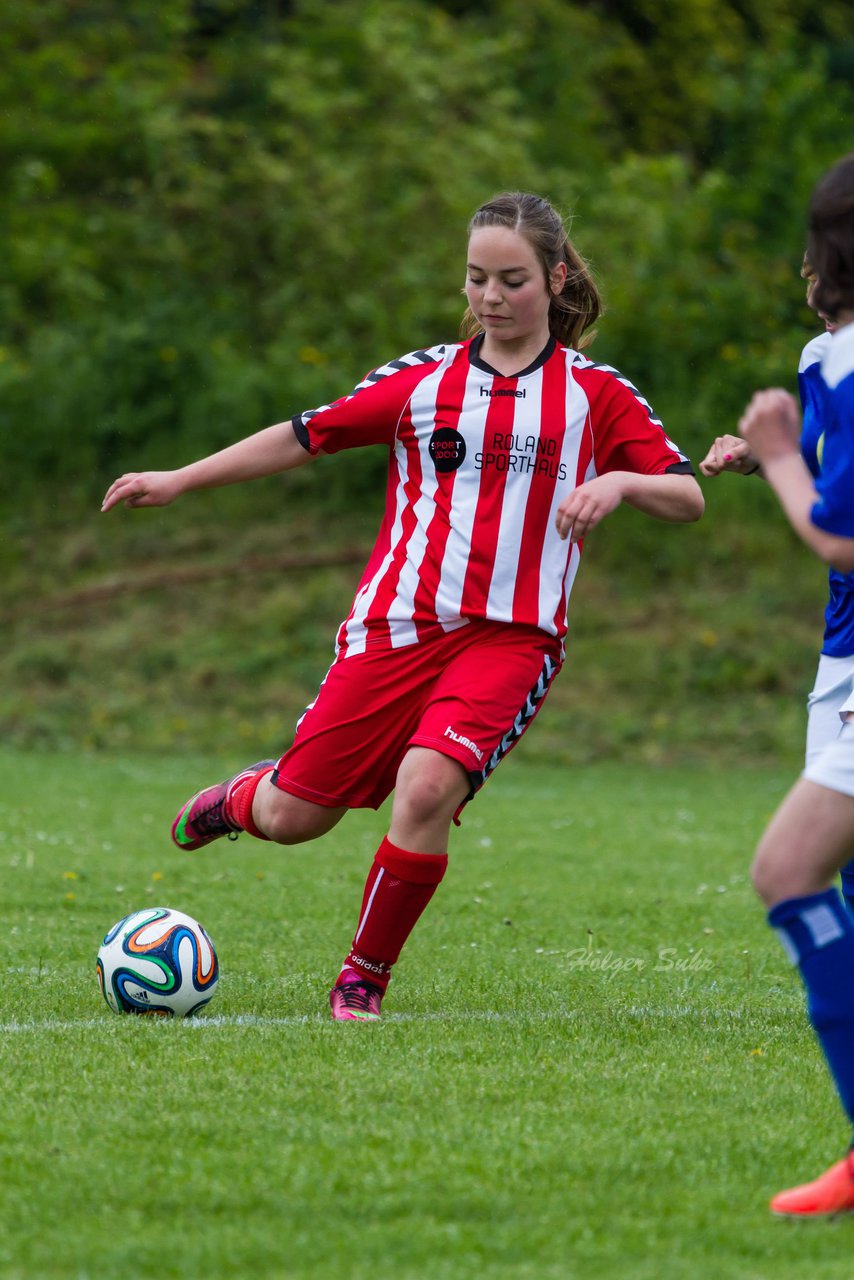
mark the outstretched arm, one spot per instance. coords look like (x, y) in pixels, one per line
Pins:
(771, 425)
(267, 452)
(667, 497)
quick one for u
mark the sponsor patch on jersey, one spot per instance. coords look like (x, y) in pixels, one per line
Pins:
(447, 449)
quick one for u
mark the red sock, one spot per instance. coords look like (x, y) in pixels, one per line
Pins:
(398, 888)
(240, 802)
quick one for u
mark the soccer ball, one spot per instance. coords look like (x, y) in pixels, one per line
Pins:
(159, 962)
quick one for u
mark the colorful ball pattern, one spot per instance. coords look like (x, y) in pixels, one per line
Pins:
(158, 962)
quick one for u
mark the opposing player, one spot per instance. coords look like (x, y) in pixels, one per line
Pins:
(505, 450)
(811, 836)
(834, 678)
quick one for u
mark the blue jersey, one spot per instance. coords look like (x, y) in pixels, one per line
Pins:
(826, 385)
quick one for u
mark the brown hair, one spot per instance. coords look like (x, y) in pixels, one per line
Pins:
(830, 239)
(578, 305)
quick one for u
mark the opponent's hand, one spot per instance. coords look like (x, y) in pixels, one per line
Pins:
(587, 505)
(143, 489)
(729, 453)
(771, 424)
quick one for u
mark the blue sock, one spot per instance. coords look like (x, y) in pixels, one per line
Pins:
(847, 877)
(817, 934)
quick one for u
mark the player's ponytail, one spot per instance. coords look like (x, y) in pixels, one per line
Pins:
(578, 305)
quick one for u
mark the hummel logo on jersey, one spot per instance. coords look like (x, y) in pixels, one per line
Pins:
(503, 391)
(464, 742)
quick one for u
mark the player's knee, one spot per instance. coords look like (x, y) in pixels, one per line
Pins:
(776, 877)
(430, 791)
(763, 878)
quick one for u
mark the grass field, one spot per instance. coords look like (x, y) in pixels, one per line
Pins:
(594, 1060)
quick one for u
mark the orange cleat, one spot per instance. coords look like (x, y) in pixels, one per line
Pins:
(832, 1193)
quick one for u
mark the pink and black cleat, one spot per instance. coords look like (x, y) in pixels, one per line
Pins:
(204, 817)
(354, 999)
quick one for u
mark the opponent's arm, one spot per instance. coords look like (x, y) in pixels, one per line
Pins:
(771, 425)
(670, 496)
(267, 452)
(729, 453)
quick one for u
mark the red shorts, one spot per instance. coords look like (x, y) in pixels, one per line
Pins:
(470, 693)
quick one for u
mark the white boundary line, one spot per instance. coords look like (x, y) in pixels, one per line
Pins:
(216, 1021)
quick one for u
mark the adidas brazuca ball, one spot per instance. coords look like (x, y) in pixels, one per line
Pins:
(159, 962)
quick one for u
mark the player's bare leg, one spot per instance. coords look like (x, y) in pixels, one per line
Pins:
(288, 819)
(430, 788)
(807, 841)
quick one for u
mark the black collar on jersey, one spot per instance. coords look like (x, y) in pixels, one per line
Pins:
(474, 356)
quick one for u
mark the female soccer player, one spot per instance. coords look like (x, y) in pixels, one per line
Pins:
(505, 450)
(812, 833)
(834, 678)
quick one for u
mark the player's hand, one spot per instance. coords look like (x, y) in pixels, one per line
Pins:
(771, 424)
(587, 505)
(143, 489)
(729, 453)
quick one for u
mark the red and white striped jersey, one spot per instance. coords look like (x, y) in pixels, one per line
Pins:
(478, 465)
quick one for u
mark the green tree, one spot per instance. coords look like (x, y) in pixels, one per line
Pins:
(218, 211)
